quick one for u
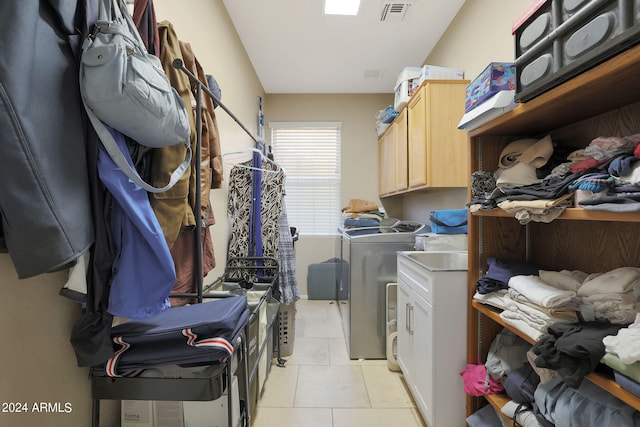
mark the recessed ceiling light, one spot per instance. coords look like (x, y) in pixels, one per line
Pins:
(341, 7)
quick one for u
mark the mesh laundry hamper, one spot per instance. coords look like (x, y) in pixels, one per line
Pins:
(287, 328)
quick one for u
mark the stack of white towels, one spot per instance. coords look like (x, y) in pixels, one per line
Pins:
(532, 303)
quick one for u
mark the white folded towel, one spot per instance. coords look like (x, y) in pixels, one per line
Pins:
(626, 344)
(538, 292)
(621, 280)
(564, 279)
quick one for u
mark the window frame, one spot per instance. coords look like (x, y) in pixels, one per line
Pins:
(324, 186)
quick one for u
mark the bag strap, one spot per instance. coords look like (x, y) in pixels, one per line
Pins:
(119, 159)
(122, 14)
(438, 222)
(521, 408)
(104, 10)
(107, 11)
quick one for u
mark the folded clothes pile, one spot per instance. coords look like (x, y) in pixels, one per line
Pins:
(361, 214)
(537, 179)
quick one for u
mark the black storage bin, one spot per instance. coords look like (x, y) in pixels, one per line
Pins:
(564, 38)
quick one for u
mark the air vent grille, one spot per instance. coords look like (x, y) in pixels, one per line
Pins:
(393, 11)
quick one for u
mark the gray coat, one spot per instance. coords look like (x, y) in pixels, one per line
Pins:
(45, 208)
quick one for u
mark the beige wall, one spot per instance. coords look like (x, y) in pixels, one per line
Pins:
(37, 359)
(359, 154)
(479, 34)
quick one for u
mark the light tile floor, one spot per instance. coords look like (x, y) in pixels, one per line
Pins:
(320, 386)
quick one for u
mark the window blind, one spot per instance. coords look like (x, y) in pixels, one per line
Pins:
(310, 155)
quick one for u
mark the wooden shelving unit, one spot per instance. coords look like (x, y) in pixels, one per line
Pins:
(603, 101)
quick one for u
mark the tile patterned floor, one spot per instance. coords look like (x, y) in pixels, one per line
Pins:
(320, 387)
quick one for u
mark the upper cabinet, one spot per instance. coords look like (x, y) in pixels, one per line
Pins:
(429, 151)
(392, 152)
(437, 149)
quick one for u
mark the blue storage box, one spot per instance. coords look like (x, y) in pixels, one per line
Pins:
(496, 77)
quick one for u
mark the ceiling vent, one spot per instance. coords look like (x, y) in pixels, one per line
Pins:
(393, 11)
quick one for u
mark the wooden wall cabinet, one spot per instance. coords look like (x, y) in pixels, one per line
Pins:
(392, 155)
(603, 101)
(423, 148)
(437, 148)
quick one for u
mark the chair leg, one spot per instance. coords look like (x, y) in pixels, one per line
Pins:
(95, 413)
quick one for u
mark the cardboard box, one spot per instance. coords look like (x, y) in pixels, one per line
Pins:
(496, 77)
(411, 78)
(148, 413)
(168, 414)
(433, 72)
(136, 413)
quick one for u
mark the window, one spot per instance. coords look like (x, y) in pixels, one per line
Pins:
(310, 155)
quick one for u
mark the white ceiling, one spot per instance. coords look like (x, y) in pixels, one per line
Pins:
(294, 48)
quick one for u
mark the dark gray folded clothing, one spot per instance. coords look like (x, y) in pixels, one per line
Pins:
(549, 188)
(573, 349)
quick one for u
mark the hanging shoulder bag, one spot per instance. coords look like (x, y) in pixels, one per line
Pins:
(125, 87)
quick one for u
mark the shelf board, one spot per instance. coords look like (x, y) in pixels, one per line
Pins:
(608, 384)
(418, 189)
(498, 401)
(603, 381)
(574, 214)
(494, 315)
(613, 83)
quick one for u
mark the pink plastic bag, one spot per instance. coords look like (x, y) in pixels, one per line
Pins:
(478, 383)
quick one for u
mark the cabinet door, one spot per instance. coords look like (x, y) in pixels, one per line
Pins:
(381, 166)
(387, 162)
(447, 149)
(405, 340)
(423, 386)
(438, 152)
(401, 137)
(417, 142)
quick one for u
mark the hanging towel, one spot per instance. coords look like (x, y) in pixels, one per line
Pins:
(287, 281)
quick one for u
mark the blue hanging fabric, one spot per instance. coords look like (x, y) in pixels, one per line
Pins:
(255, 239)
(143, 271)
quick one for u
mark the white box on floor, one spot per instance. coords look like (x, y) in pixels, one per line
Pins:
(147, 413)
(213, 413)
(136, 413)
(167, 414)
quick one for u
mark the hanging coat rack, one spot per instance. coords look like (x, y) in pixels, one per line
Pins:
(255, 262)
(200, 87)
